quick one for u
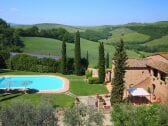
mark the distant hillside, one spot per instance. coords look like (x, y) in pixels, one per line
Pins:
(39, 45)
(137, 36)
(50, 26)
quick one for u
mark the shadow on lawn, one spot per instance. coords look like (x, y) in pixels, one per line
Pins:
(10, 96)
(4, 95)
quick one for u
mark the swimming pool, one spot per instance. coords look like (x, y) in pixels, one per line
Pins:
(38, 82)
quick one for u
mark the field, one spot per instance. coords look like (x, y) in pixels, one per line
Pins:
(48, 46)
(78, 86)
(157, 42)
(140, 38)
(127, 35)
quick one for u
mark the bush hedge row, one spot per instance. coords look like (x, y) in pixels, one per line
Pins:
(128, 115)
(29, 63)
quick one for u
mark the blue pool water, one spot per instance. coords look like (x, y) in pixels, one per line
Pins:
(40, 83)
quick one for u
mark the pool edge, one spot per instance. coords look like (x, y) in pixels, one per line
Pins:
(62, 90)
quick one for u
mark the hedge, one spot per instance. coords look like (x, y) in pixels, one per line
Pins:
(93, 80)
(29, 63)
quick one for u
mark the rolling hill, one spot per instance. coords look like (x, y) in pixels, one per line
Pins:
(127, 35)
(39, 45)
(69, 28)
(140, 38)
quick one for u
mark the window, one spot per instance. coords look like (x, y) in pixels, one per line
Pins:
(155, 72)
(163, 76)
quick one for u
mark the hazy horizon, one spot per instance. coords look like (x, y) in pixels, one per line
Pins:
(83, 13)
(85, 25)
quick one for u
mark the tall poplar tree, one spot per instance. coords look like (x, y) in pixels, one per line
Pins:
(64, 58)
(119, 60)
(77, 53)
(107, 60)
(101, 71)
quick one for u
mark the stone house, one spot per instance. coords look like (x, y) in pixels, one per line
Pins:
(150, 73)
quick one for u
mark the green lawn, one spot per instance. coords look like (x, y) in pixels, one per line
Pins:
(57, 100)
(48, 46)
(78, 86)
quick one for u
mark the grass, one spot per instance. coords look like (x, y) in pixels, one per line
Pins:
(127, 35)
(163, 41)
(57, 100)
(48, 46)
(81, 88)
(78, 86)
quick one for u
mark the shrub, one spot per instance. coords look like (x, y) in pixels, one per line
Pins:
(29, 63)
(93, 80)
(128, 115)
(25, 114)
(83, 116)
(88, 74)
(162, 115)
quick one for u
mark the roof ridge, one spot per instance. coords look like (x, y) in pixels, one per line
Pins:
(158, 53)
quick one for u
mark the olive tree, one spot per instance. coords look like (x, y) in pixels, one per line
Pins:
(26, 114)
(83, 116)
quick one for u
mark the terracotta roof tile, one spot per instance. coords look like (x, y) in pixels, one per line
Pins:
(163, 54)
(159, 65)
(137, 63)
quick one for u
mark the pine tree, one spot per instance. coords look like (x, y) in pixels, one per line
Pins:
(119, 59)
(77, 53)
(64, 63)
(101, 63)
(107, 60)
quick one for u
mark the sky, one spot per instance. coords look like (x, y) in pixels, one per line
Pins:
(83, 12)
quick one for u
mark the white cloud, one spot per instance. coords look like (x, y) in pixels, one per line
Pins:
(13, 9)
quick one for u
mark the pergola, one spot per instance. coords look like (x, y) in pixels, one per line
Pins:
(138, 95)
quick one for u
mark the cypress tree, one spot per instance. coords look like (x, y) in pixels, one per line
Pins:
(77, 53)
(107, 60)
(63, 63)
(119, 60)
(87, 57)
(101, 63)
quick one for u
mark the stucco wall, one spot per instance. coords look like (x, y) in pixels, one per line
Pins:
(161, 88)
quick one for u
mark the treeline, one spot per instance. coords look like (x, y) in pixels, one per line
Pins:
(25, 62)
(96, 35)
(153, 31)
(9, 38)
(4, 58)
(60, 33)
(151, 49)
